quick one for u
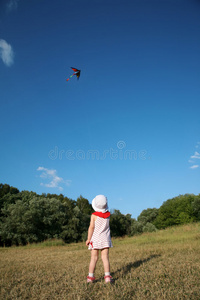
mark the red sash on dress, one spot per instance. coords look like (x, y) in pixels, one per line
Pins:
(102, 215)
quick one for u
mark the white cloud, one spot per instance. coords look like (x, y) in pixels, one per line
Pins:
(194, 158)
(6, 53)
(55, 181)
(194, 167)
(12, 4)
(197, 145)
(68, 182)
(190, 161)
(196, 155)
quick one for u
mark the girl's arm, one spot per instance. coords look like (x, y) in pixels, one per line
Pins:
(90, 229)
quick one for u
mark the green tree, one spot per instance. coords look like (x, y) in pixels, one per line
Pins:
(149, 227)
(48, 215)
(4, 189)
(196, 207)
(136, 227)
(84, 206)
(120, 224)
(14, 228)
(175, 211)
(71, 232)
(32, 221)
(148, 215)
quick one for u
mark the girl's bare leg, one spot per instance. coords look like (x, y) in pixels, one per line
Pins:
(93, 261)
(105, 259)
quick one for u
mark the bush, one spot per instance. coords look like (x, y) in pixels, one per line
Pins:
(149, 227)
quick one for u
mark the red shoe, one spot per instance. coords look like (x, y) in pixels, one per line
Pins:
(90, 279)
(108, 279)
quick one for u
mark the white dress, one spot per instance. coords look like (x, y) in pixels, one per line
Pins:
(101, 236)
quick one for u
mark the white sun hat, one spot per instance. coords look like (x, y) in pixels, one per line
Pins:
(100, 204)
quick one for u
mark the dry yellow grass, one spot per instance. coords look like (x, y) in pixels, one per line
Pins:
(161, 265)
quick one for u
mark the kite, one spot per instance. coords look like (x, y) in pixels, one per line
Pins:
(76, 72)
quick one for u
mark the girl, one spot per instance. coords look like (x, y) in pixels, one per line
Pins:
(99, 237)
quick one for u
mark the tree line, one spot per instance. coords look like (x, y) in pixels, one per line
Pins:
(26, 217)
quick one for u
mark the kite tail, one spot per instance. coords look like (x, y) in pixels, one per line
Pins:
(70, 76)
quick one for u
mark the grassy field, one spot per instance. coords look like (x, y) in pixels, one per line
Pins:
(161, 265)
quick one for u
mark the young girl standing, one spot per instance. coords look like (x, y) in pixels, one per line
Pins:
(99, 237)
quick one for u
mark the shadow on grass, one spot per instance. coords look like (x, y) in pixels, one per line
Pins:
(126, 269)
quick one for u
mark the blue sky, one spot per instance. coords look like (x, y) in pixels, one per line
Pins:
(129, 128)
